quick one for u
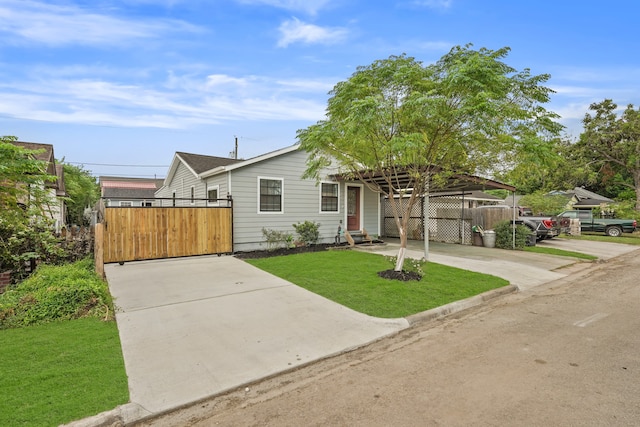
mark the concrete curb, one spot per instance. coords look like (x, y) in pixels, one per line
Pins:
(120, 416)
(457, 306)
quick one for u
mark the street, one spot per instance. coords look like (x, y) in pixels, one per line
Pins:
(565, 353)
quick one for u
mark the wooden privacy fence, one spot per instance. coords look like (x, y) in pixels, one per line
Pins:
(138, 233)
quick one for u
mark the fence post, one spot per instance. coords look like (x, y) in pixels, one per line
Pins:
(98, 249)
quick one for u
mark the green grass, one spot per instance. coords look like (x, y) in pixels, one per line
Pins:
(350, 278)
(61, 371)
(559, 252)
(626, 238)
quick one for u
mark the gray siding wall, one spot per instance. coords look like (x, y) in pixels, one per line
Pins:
(301, 202)
(182, 182)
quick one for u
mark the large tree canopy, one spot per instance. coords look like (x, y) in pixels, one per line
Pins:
(613, 142)
(460, 114)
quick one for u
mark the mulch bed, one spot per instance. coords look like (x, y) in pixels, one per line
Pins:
(288, 251)
(403, 275)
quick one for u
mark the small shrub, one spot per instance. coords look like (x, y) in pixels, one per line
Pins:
(504, 235)
(56, 293)
(277, 239)
(410, 264)
(308, 232)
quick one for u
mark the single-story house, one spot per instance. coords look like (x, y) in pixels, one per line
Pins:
(123, 191)
(56, 189)
(268, 192)
(582, 199)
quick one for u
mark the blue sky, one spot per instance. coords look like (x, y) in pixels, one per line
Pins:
(130, 82)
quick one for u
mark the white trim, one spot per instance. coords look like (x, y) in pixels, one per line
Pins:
(320, 211)
(213, 187)
(346, 197)
(281, 211)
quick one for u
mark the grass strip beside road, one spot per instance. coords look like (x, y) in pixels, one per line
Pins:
(559, 252)
(350, 278)
(59, 372)
(626, 238)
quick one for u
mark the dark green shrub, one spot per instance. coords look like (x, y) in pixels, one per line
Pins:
(56, 293)
(504, 235)
(308, 232)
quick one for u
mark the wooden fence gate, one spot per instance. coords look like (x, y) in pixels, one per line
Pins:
(138, 233)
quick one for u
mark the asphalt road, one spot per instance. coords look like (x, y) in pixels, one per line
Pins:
(562, 354)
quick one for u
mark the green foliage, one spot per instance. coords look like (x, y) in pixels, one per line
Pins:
(613, 143)
(277, 239)
(504, 235)
(308, 232)
(56, 293)
(430, 121)
(83, 192)
(26, 227)
(625, 210)
(25, 240)
(544, 204)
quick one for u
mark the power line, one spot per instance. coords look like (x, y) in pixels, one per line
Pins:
(114, 165)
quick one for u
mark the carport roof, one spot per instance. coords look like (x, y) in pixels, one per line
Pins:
(456, 183)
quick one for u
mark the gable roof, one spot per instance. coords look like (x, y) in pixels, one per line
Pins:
(200, 163)
(45, 154)
(130, 188)
(253, 160)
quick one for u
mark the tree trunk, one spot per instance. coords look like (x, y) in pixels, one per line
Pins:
(403, 249)
(636, 181)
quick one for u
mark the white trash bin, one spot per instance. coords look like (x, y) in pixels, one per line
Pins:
(489, 239)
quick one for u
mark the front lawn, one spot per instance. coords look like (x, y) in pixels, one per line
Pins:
(61, 371)
(627, 238)
(350, 278)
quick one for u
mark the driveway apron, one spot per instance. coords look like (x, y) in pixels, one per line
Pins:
(194, 327)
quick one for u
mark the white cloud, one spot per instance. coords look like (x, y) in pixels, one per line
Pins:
(185, 101)
(294, 30)
(308, 6)
(55, 25)
(435, 4)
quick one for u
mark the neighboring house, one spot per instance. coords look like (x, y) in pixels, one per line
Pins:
(473, 199)
(56, 188)
(581, 199)
(122, 191)
(268, 192)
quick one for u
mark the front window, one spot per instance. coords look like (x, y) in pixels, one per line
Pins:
(126, 204)
(329, 197)
(270, 194)
(212, 195)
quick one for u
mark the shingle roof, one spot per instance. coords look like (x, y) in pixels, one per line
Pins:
(201, 163)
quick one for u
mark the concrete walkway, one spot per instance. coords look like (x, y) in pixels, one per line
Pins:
(194, 327)
(522, 269)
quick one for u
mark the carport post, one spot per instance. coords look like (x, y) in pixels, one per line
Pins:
(425, 223)
(513, 229)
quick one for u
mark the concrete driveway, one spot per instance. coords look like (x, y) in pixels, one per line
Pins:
(194, 327)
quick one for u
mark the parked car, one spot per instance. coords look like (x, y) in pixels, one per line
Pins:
(545, 227)
(611, 227)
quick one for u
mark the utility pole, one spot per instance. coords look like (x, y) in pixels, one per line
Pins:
(235, 153)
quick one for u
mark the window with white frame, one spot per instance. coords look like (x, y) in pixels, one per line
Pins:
(270, 194)
(329, 197)
(212, 194)
(126, 204)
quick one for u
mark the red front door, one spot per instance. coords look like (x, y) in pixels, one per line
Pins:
(353, 208)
